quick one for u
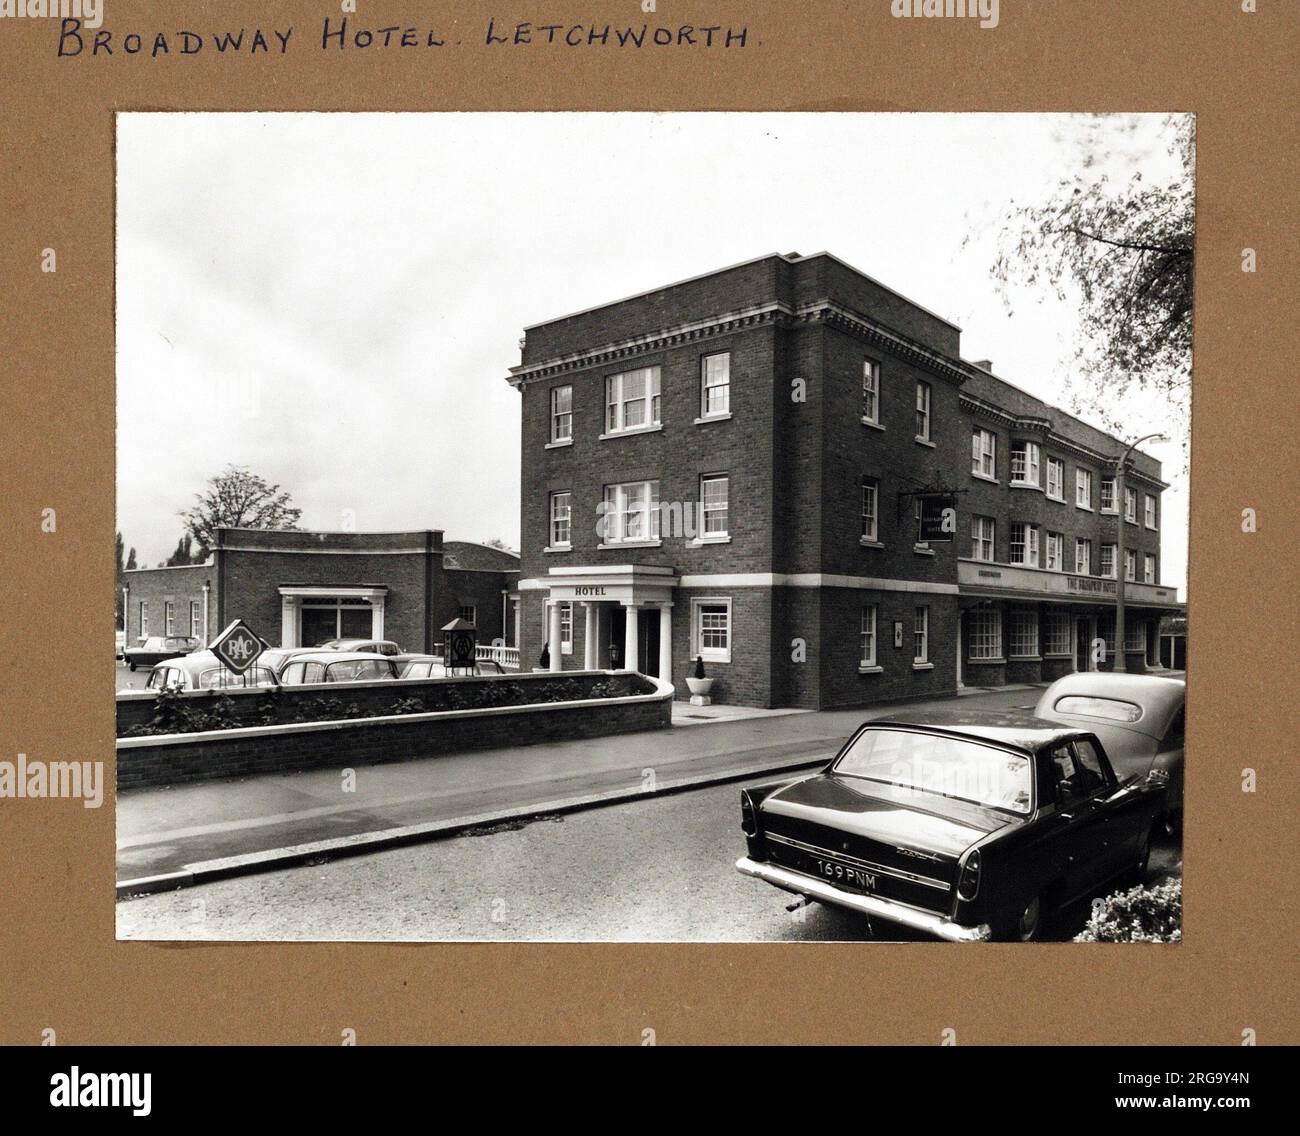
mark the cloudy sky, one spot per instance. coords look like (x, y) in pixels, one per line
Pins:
(334, 299)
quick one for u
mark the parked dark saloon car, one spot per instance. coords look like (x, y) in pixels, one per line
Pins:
(967, 826)
(158, 648)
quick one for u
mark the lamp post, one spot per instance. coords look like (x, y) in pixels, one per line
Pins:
(1121, 574)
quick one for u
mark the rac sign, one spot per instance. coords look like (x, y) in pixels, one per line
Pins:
(237, 647)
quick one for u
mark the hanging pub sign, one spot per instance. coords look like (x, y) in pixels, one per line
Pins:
(938, 518)
(459, 646)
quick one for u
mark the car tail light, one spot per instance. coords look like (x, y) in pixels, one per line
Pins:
(748, 814)
(968, 885)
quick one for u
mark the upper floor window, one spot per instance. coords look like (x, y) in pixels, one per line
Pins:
(1056, 479)
(469, 613)
(561, 414)
(1108, 495)
(984, 453)
(1083, 488)
(713, 505)
(1130, 505)
(870, 509)
(1082, 556)
(982, 533)
(1149, 569)
(1108, 560)
(923, 412)
(715, 385)
(632, 400)
(1024, 463)
(631, 512)
(561, 519)
(871, 391)
(1130, 565)
(1149, 506)
(1024, 545)
(1055, 561)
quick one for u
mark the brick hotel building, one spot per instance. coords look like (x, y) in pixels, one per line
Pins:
(734, 466)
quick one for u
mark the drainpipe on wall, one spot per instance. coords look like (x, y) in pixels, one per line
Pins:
(207, 587)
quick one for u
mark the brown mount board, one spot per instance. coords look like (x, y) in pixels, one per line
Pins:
(1236, 969)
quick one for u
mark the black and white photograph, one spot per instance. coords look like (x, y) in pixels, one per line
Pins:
(652, 527)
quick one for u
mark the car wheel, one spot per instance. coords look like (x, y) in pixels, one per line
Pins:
(131, 666)
(1144, 859)
(1030, 924)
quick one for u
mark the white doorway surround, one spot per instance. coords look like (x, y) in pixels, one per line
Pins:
(598, 589)
(294, 596)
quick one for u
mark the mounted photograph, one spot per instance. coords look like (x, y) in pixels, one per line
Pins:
(652, 527)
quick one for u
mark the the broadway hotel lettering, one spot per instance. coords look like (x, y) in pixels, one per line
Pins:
(795, 405)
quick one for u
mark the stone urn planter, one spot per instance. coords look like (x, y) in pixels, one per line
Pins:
(699, 684)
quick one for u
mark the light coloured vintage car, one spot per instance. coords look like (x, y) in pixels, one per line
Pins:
(1139, 719)
(310, 667)
(369, 646)
(432, 666)
(202, 670)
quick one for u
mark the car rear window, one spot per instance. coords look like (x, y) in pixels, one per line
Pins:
(940, 765)
(1088, 706)
(218, 678)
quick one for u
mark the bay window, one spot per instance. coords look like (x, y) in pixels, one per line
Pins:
(1024, 463)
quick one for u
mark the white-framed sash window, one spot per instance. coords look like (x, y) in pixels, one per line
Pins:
(867, 646)
(871, 391)
(714, 506)
(631, 512)
(984, 453)
(923, 411)
(715, 385)
(561, 414)
(632, 400)
(983, 532)
(561, 519)
(870, 508)
(711, 628)
(921, 635)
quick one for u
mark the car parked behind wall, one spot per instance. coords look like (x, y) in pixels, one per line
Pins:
(156, 648)
(1140, 720)
(202, 670)
(310, 667)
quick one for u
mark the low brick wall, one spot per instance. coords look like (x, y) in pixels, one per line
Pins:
(136, 708)
(169, 759)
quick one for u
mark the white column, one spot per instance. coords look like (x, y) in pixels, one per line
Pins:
(630, 660)
(553, 643)
(288, 621)
(666, 643)
(590, 641)
(377, 618)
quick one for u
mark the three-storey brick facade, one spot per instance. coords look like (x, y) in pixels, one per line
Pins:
(732, 468)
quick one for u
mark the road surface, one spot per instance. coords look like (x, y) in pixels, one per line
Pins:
(653, 870)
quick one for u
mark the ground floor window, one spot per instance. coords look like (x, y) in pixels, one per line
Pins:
(1023, 634)
(1056, 633)
(144, 618)
(469, 613)
(566, 629)
(711, 629)
(1106, 631)
(867, 658)
(985, 634)
(196, 619)
(1135, 636)
(921, 636)
(169, 617)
